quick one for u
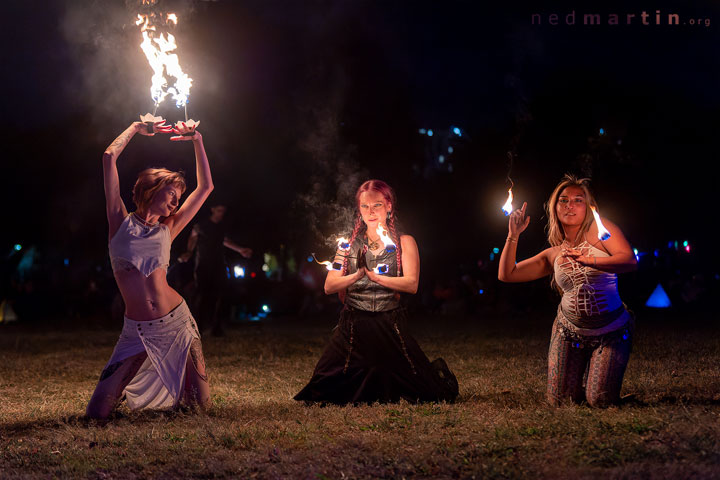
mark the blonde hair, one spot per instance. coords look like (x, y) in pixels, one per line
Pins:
(555, 231)
(151, 180)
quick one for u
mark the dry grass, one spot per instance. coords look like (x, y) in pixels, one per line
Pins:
(499, 428)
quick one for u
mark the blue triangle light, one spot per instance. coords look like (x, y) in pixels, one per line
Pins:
(658, 299)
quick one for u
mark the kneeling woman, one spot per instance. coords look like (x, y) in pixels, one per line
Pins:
(371, 356)
(592, 333)
(158, 358)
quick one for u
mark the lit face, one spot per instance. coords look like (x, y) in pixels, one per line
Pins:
(571, 206)
(374, 209)
(166, 201)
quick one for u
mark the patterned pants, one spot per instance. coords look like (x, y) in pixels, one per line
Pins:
(587, 367)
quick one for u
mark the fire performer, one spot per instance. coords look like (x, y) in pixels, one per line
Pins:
(158, 357)
(371, 356)
(592, 334)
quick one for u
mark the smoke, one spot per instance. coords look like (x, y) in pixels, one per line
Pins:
(328, 206)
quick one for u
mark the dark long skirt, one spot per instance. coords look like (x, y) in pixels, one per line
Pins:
(371, 357)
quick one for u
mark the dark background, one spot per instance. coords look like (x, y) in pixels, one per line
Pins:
(300, 101)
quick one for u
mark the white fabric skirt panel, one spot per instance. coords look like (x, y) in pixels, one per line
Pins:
(161, 379)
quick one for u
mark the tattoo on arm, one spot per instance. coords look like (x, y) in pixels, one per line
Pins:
(120, 141)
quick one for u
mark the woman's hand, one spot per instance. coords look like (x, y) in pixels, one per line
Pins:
(518, 222)
(577, 255)
(158, 127)
(370, 274)
(186, 131)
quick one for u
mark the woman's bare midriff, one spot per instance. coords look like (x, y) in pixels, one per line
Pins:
(146, 298)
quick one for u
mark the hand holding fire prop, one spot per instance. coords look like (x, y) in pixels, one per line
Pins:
(153, 125)
(518, 222)
(185, 130)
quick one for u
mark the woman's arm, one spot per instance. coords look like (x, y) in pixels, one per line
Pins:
(204, 185)
(336, 282)
(408, 283)
(621, 259)
(527, 270)
(114, 206)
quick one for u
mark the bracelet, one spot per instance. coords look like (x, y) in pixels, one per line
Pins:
(511, 239)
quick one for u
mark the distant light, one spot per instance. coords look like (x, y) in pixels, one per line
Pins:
(676, 245)
(481, 291)
(492, 257)
(457, 131)
(430, 133)
(66, 262)
(450, 168)
(253, 274)
(635, 251)
(602, 131)
(265, 308)
(309, 258)
(685, 243)
(451, 149)
(717, 276)
(441, 159)
(687, 248)
(227, 272)
(265, 267)
(496, 250)
(658, 298)
(239, 271)
(422, 131)
(17, 247)
(656, 253)
(670, 244)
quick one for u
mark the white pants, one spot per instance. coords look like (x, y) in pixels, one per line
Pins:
(160, 381)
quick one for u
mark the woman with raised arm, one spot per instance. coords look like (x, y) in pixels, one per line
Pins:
(592, 333)
(158, 358)
(371, 356)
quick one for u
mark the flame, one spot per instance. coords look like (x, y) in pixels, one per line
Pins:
(508, 208)
(389, 244)
(330, 266)
(343, 244)
(603, 233)
(381, 268)
(158, 50)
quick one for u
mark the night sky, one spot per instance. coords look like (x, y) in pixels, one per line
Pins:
(301, 100)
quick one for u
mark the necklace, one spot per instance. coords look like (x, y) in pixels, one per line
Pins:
(373, 244)
(143, 222)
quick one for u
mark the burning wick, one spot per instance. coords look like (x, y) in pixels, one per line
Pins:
(389, 244)
(508, 208)
(603, 233)
(329, 265)
(343, 244)
(381, 269)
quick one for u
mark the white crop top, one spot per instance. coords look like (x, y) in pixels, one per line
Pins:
(146, 248)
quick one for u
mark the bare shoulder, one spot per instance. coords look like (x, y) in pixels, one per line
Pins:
(407, 241)
(550, 254)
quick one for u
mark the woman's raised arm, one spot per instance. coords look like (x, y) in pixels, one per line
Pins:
(204, 182)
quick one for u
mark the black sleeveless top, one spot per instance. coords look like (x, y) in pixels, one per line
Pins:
(366, 294)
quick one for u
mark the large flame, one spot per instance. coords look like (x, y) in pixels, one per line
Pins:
(603, 233)
(508, 208)
(158, 49)
(389, 244)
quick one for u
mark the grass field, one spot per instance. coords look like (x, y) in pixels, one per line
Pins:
(668, 425)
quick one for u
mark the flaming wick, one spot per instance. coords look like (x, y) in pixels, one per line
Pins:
(389, 244)
(328, 265)
(381, 269)
(508, 208)
(603, 233)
